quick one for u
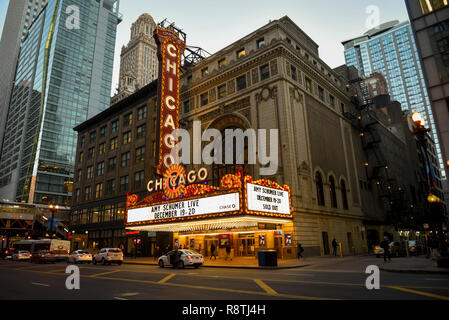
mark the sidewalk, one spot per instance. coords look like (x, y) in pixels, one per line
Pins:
(243, 262)
(413, 265)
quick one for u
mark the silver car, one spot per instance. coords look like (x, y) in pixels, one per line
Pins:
(187, 258)
(21, 255)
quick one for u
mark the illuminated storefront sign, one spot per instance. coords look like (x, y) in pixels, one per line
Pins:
(170, 50)
(187, 208)
(265, 199)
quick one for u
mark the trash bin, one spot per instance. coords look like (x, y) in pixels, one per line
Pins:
(268, 258)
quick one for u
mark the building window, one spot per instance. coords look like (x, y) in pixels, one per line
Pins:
(319, 189)
(240, 53)
(221, 91)
(140, 154)
(80, 174)
(241, 83)
(204, 98)
(332, 101)
(112, 163)
(87, 193)
(204, 72)
(344, 195)
(103, 132)
(221, 63)
(141, 131)
(321, 93)
(124, 183)
(342, 105)
(114, 126)
(260, 42)
(114, 143)
(128, 119)
(102, 148)
(90, 153)
(333, 192)
(90, 172)
(430, 6)
(110, 187)
(294, 74)
(142, 113)
(98, 191)
(308, 85)
(139, 178)
(127, 137)
(186, 106)
(82, 141)
(77, 195)
(100, 168)
(125, 159)
(92, 136)
(264, 72)
(81, 158)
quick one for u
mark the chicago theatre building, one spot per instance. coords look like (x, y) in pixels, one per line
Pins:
(271, 79)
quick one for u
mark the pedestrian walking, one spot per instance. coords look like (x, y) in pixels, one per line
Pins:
(228, 251)
(157, 252)
(300, 250)
(385, 245)
(212, 252)
(335, 245)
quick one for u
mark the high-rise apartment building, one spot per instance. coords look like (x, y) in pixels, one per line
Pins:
(390, 49)
(138, 60)
(430, 24)
(63, 77)
(19, 17)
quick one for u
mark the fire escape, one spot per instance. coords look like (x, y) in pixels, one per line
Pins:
(393, 195)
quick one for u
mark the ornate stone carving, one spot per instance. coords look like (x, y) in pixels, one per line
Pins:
(239, 104)
(231, 86)
(274, 67)
(255, 75)
(212, 95)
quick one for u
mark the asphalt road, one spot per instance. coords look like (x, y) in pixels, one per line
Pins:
(327, 280)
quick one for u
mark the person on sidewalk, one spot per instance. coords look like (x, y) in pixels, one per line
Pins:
(385, 245)
(335, 245)
(228, 251)
(157, 253)
(300, 250)
(212, 252)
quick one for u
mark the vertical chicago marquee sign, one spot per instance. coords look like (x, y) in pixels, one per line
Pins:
(170, 49)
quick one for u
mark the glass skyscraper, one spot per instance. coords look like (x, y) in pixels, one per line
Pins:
(63, 77)
(391, 50)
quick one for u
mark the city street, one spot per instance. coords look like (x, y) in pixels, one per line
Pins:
(329, 279)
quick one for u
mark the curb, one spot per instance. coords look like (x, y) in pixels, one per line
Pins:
(225, 267)
(415, 271)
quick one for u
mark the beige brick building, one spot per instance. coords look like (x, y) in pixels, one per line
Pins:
(138, 60)
(274, 79)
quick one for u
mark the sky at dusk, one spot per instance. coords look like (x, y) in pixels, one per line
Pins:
(213, 25)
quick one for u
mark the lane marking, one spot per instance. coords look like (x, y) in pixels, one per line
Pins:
(171, 284)
(120, 298)
(103, 273)
(264, 286)
(40, 284)
(436, 296)
(129, 294)
(164, 280)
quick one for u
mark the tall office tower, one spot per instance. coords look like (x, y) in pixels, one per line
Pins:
(138, 60)
(63, 77)
(430, 24)
(18, 18)
(390, 49)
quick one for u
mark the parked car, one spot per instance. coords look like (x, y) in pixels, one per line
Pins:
(378, 251)
(108, 256)
(43, 256)
(7, 253)
(61, 254)
(397, 249)
(21, 255)
(188, 258)
(79, 256)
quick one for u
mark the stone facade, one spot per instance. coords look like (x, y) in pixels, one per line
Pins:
(138, 60)
(289, 88)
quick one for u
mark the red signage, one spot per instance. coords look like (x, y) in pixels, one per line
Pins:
(170, 50)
